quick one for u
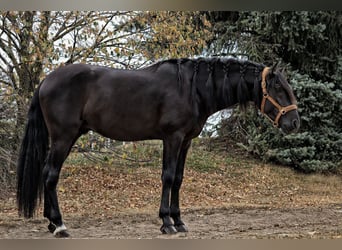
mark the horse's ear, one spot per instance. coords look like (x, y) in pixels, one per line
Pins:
(275, 67)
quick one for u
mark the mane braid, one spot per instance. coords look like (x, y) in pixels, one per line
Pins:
(242, 89)
(227, 90)
(194, 82)
(210, 81)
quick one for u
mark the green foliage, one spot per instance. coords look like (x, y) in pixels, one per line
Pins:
(318, 145)
(203, 160)
(311, 41)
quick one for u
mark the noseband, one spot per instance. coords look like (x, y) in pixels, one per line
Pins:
(281, 110)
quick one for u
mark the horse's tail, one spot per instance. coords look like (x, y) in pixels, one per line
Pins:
(33, 152)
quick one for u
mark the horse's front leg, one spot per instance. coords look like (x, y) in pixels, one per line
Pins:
(175, 210)
(171, 149)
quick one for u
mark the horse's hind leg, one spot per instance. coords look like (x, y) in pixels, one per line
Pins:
(59, 151)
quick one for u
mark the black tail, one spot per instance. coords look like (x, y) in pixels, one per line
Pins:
(31, 160)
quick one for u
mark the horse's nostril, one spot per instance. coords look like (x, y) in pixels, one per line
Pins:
(295, 123)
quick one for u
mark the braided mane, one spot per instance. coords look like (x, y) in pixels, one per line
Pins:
(229, 68)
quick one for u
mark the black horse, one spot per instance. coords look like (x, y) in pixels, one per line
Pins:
(170, 100)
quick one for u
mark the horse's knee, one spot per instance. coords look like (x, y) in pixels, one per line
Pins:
(177, 182)
(168, 178)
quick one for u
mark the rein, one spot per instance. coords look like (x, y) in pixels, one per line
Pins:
(281, 110)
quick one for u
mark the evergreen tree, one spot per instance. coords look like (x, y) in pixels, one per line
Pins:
(309, 41)
(309, 45)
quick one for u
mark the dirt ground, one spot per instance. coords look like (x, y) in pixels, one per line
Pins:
(222, 223)
(235, 200)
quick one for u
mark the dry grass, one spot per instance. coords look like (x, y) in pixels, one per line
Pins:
(211, 179)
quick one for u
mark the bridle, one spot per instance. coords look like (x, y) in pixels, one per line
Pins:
(281, 110)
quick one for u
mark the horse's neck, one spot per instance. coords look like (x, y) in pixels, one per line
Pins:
(227, 89)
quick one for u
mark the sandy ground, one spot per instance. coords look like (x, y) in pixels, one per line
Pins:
(223, 223)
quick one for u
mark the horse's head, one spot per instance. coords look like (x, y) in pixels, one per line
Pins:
(278, 101)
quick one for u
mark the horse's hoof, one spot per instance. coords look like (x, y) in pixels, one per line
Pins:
(51, 228)
(168, 229)
(62, 234)
(181, 228)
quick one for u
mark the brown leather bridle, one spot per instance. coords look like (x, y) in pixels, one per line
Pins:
(281, 110)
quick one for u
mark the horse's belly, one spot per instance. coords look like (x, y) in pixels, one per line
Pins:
(126, 129)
